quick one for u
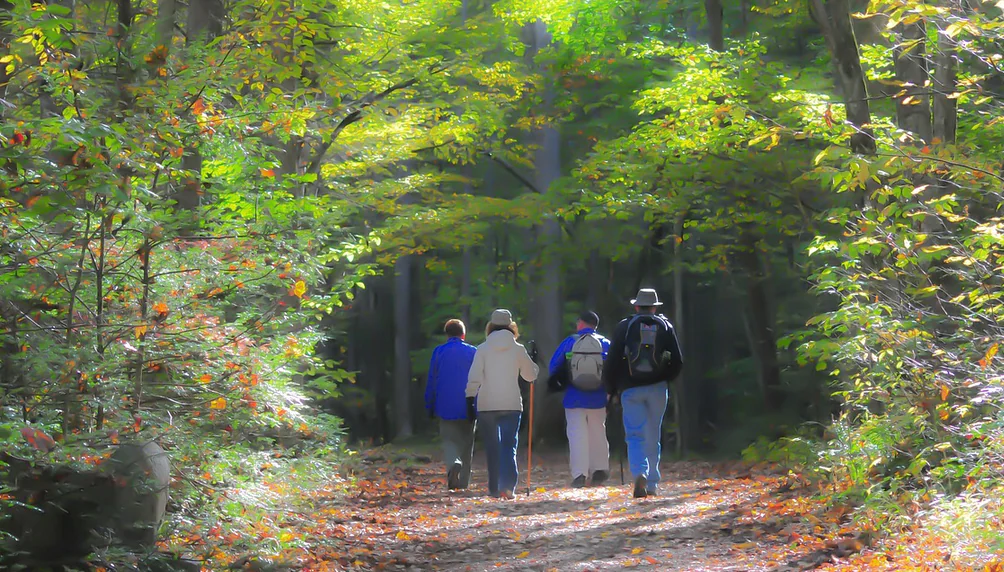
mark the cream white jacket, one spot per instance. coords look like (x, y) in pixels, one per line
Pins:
(494, 377)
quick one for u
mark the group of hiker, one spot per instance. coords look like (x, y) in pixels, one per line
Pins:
(478, 388)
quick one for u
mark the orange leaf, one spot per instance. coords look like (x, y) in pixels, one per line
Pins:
(160, 308)
(944, 392)
(205, 378)
(219, 403)
(198, 107)
(267, 172)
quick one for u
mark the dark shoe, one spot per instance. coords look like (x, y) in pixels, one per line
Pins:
(506, 495)
(651, 491)
(579, 482)
(599, 477)
(453, 478)
(640, 485)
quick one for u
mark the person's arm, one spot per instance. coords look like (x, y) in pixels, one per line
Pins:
(615, 354)
(476, 376)
(675, 365)
(558, 359)
(528, 370)
(430, 384)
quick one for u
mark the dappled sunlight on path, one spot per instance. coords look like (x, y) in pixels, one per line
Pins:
(707, 517)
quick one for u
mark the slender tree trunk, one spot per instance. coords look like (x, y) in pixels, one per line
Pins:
(682, 388)
(834, 17)
(913, 109)
(761, 325)
(403, 325)
(716, 24)
(465, 285)
(5, 37)
(205, 22)
(167, 11)
(945, 110)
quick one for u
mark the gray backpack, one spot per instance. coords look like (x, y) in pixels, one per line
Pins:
(585, 365)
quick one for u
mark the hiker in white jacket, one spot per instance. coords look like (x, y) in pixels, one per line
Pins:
(494, 383)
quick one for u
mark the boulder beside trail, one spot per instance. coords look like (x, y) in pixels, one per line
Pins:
(63, 513)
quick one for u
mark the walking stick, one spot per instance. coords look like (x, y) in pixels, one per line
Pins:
(529, 444)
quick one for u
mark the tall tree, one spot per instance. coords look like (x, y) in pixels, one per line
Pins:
(834, 18)
(913, 107)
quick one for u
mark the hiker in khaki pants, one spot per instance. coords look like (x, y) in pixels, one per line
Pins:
(579, 362)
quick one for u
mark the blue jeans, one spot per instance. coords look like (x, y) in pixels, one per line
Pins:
(500, 431)
(644, 407)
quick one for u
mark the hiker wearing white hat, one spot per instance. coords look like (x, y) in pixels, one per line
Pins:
(644, 357)
(493, 382)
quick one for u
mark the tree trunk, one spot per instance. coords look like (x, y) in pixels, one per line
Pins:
(716, 25)
(834, 17)
(913, 109)
(594, 281)
(402, 350)
(547, 161)
(5, 37)
(205, 22)
(761, 325)
(685, 416)
(167, 11)
(465, 285)
(945, 112)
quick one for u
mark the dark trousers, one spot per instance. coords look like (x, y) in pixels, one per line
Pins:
(457, 436)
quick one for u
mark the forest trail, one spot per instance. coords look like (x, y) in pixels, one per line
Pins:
(398, 515)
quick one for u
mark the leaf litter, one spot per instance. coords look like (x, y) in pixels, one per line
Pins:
(396, 514)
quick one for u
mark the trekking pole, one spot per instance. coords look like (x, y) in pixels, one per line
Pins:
(529, 444)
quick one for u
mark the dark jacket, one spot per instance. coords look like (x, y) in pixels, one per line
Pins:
(615, 368)
(448, 370)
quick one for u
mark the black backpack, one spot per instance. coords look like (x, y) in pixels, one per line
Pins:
(644, 349)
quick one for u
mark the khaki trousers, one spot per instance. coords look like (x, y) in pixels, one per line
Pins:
(588, 450)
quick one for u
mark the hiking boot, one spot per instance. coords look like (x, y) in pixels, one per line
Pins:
(640, 487)
(506, 495)
(453, 478)
(579, 482)
(652, 491)
(600, 477)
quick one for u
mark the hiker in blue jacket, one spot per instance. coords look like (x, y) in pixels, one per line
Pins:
(585, 400)
(445, 398)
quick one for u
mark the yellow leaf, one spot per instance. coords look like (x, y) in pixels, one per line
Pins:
(637, 550)
(944, 392)
(991, 353)
(219, 403)
(539, 489)
(523, 554)
(402, 535)
(285, 537)
(140, 331)
(299, 288)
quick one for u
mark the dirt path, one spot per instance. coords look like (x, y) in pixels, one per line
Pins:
(399, 516)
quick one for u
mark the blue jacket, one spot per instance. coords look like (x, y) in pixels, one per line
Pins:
(576, 398)
(448, 369)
